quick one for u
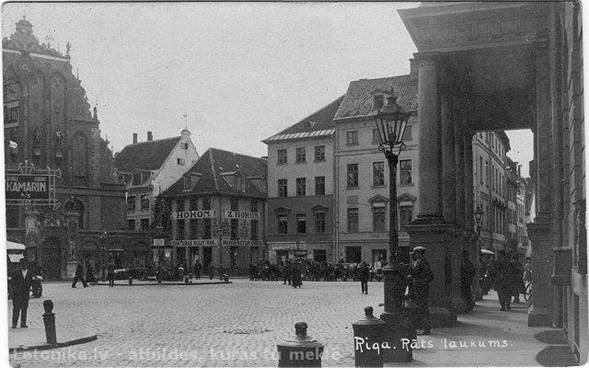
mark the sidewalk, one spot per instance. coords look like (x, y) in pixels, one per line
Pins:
(152, 282)
(33, 338)
(485, 337)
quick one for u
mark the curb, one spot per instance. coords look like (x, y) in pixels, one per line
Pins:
(169, 283)
(58, 345)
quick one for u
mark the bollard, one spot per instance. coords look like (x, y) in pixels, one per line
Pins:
(369, 341)
(225, 277)
(130, 280)
(301, 352)
(49, 322)
(186, 278)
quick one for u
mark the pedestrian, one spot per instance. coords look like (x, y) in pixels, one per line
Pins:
(21, 285)
(287, 272)
(211, 271)
(516, 274)
(466, 277)
(79, 276)
(499, 271)
(110, 273)
(90, 274)
(364, 275)
(196, 269)
(420, 275)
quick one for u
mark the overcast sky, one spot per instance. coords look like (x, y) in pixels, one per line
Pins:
(241, 71)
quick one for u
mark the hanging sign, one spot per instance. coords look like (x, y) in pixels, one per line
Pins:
(198, 214)
(26, 186)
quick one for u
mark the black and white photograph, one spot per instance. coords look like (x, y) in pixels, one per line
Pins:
(293, 184)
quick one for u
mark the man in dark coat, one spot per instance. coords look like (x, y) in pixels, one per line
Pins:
(516, 274)
(110, 273)
(500, 275)
(79, 275)
(466, 277)
(21, 285)
(420, 275)
(364, 275)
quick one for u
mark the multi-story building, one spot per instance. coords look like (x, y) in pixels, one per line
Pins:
(48, 123)
(361, 170)
(301, 188)
(148, 169)
(217, 212)
(490, 187)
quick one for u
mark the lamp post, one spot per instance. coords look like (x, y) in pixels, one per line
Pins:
(478, 218)
(391, 121)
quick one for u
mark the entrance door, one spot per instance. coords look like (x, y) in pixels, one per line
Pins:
(207, 257)
(353, 254)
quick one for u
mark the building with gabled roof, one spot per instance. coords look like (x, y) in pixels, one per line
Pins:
(301, 204)
(148, 169)
(217, 213)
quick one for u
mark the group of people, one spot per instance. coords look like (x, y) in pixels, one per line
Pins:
(507, 278)
(85, 274)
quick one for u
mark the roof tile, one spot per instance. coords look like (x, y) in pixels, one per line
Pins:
(149, 155)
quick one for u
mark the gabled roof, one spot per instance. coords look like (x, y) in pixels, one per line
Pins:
(149, 155)
(318, 124)
(215, 162)
(359, 101)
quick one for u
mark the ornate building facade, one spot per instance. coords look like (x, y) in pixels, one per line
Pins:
(48, 123)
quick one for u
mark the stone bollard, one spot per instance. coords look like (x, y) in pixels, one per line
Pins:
(369, 341)
(49, 322)
(186, 279)
(301, 352)
(225, 277)
(130, 280)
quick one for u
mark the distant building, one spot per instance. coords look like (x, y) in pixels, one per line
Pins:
(217, 212)
(148, 169)
(301, 204)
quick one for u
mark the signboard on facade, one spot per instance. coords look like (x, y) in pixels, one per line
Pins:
(27, 186)
(158, 242)
(241, 215)
(198, 214)
(194, 243)
(241, 243)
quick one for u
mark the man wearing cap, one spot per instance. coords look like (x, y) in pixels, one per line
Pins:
(420, 275)
(21, 286)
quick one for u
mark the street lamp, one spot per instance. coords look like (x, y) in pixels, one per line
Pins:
(391, 122)
(478, 218)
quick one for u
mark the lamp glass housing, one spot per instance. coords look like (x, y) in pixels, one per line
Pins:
(391, 122)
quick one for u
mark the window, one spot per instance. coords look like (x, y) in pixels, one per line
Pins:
(378, 101)
(137, 178)
(375, 136)
(282, 188)
(407, 135)
(206, 234)
(352, 175)
(301, 223)
(406, 215)
(301, 157)
(234, 204)
(131, 224)
(352, 220)
(481, 169)
(234, 229)
(378, 219)
(319, 222)
(254, 206)
(320, 185)
(254, 229)
(193, 229)
(319, 153)
(282, 157)
(130, 203)
(352, 137)
(144, 224)
(181, 235)
(405, 172)
(10, 114)
(180, 205)
(187, 182)
(206, 203)
(185, 146)
(378, 173)
(193, 204)
(181, 162)
(301, 186)
(144, 201)
(282, 224)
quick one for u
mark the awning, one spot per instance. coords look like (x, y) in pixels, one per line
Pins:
(15, 258)
(486, 251)
(16, 246)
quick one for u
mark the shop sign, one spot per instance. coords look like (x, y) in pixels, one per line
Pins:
(198, 214)
(159, 242)
(242, 243)
(194, 243)
(25, 186)
(241, 215)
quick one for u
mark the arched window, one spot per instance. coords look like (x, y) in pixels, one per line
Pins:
(80, 155)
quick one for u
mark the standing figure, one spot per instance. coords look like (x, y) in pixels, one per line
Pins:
(516, 274)
(364, 275)
(110, 273)
(466, 277)
(21, 285)
(211, 271)
(90, 273)
(79, 275)
(500, 275)
(420, 275)
(196, 269)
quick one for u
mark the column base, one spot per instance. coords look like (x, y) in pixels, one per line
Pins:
(442, 317)
(460, 306)
(538, 317)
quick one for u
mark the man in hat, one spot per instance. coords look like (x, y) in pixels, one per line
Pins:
(419, 276)
(21, 285)
(500, 275)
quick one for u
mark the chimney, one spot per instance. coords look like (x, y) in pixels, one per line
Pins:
(413, 68)
(149, 136)
(134, 138)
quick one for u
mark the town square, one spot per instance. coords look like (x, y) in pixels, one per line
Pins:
(294, 184)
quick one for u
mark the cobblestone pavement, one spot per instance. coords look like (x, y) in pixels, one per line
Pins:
(240, 324)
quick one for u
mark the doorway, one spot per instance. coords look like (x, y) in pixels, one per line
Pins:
(353, 254)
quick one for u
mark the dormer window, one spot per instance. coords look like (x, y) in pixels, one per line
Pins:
(181, 162)
(187, 182)
(378, 101)
(137, 178)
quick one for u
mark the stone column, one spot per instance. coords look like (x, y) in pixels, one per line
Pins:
(469, 225)
(429, 138)
(448, 168)
(541, 232)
